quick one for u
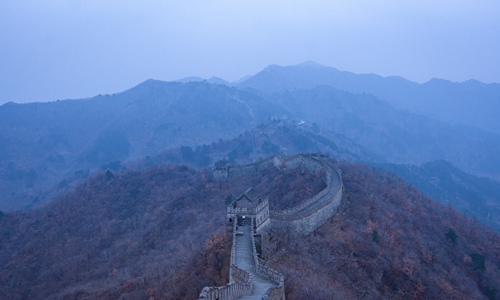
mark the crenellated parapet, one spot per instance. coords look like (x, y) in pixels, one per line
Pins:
(273, 293)
(299, 220)
(310, 213)
(314, 212)
(240, 281)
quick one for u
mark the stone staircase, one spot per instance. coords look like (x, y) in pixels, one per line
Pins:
(245, 261)
(248, 279)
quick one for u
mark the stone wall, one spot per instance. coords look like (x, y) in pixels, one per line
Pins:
(230, 291)
(310, 213)
(308, 202)
(262, 219)
(274, 293)
(309, 221)
(249, 169)
(240, 281)
(302, 219)
(309, 162)
(315, 211)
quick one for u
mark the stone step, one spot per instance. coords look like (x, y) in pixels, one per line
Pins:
(245, 261)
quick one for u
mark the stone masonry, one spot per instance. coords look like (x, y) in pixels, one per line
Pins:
(300, 220)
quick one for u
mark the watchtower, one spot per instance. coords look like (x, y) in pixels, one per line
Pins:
(250, 205)
(221, 170)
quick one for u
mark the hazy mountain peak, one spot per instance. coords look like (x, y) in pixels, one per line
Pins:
(217, 80)
(271, 68)
(311, 64)
(241, 80)
(437, 81)
(149, 84)
(212, 80)
(189, 79)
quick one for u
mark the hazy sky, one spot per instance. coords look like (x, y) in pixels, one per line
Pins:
(59, 49)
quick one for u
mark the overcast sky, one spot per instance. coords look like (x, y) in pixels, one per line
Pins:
(59, 49)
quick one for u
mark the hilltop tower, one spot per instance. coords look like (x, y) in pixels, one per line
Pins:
(250, 205)
(221, 170)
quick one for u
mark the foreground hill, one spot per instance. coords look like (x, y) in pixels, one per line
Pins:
(132, 235)
(274, 136)
(159, 233)
(389, 241)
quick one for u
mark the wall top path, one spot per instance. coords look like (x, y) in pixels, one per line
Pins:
(312, 162)
(311, 212)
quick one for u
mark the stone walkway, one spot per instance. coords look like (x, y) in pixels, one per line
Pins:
(245, 261)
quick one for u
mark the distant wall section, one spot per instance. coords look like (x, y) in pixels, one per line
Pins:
(310, 213)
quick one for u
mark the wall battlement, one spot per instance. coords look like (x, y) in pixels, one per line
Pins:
(273, 293)
(311, 213)
(240, 281)
(301, 219)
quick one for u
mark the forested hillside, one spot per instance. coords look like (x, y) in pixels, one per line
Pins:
(277, 135)
(396, 136)
(389, 241)
(46, 147)
(471, 103)
(477, 197)
(43, 143)
(132, 235)
(160, 233)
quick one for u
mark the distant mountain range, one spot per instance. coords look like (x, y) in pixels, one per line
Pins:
(473, 195)
(398, 136)
(47, 148)
(469, 103)
(41, 143)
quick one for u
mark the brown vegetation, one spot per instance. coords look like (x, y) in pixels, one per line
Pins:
(130, 235)
(389, 241)
(160, 234)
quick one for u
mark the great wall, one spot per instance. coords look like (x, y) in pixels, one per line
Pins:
(248, 279)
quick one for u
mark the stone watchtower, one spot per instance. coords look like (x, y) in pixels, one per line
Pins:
(250, 205)
(221, 170)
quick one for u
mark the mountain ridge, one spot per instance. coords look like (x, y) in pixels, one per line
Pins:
(55, 144)
(48, 140)
(470, 102)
